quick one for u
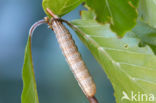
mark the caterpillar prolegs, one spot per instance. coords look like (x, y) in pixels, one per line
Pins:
(73, 57)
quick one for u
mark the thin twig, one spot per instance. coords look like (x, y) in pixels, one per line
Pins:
(35, 25)
(51, 13)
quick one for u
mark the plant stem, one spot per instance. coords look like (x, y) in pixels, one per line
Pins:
(35, 25)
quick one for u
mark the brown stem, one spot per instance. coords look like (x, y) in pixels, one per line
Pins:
(35, 25)
(92, 99)
(51, 13)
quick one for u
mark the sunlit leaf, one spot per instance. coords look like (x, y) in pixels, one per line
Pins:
(129, 67)
(142, 31)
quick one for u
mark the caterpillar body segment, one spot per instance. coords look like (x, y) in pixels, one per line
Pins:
(73, 58)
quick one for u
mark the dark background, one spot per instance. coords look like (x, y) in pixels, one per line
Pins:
(55, 81)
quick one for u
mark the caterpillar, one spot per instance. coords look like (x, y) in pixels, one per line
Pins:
(73, 57)
(71, 53)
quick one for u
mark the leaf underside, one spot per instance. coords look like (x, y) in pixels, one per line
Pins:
(29, 94)
(128, 67)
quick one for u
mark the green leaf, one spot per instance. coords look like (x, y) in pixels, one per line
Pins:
(134, 2)
(129, 67)
(60, 7)
(87, 15)
(153, 48)
(121, 14)
(142, 31)
(146, 34)
(147, 10)
(29, 94)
